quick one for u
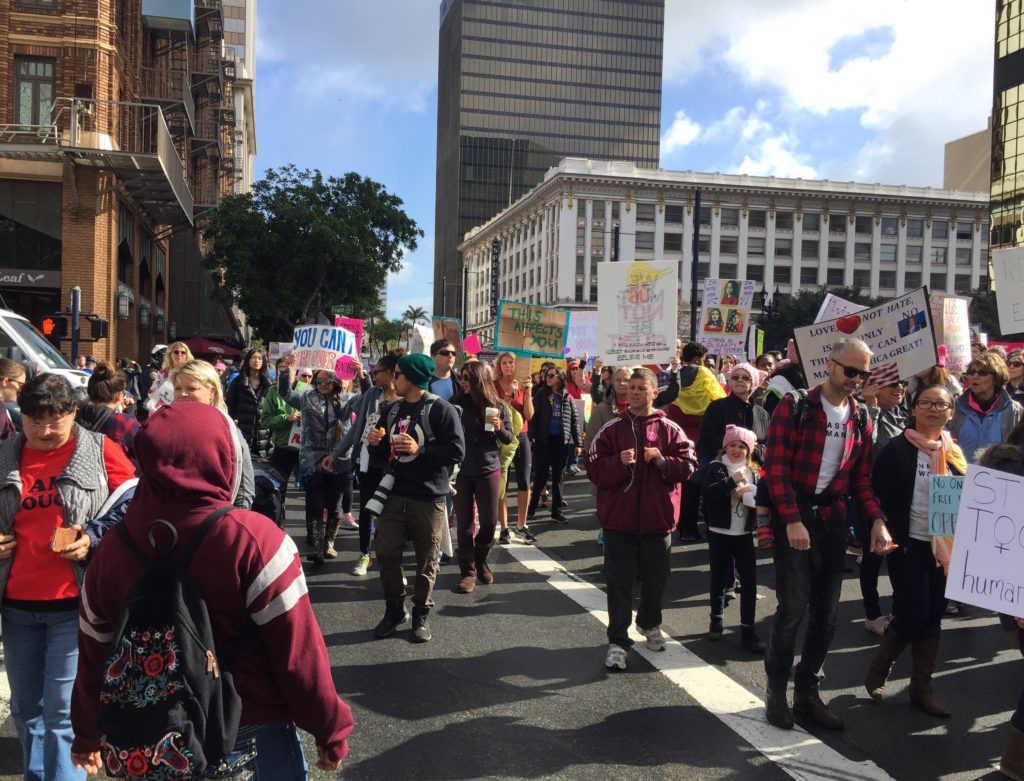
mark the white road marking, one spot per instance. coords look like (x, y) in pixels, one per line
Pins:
(801, 755)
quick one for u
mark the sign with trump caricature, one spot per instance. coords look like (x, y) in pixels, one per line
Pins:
(637, 311)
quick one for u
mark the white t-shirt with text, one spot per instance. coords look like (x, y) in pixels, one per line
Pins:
(835, 443)
(919, 505)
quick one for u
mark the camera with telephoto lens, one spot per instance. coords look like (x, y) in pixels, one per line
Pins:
(376, 504)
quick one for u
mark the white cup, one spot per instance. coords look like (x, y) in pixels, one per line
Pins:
(489, 412)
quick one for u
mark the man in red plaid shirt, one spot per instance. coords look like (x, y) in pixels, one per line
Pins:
(813, 465)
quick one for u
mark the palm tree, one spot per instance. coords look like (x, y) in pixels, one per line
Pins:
(410, 317)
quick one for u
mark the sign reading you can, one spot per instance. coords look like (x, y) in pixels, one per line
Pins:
(531, 328)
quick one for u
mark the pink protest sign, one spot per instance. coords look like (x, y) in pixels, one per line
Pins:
(471, 344)
(354, 326)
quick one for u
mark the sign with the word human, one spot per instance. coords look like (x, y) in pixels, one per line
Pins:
(943, 503)
(987, 566)
(531, 329)
(899, 333)
(326, 347)
(637, 311)
(1008, 276)
(724, 314)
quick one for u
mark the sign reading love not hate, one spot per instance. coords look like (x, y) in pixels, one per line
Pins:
(899, 333)
(326, 347)
(531, 328)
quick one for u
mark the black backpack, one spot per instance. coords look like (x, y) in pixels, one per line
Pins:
(167, 708)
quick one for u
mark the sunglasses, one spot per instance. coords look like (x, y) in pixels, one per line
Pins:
(851, 372)
(742, 378)
(375, 372)
(1016, 364)
(323, 381)
(979, 372)
(301, 376)
(449, 353)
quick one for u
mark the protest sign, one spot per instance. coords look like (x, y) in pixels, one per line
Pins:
(449, 328)
(956, 334)
(755, 342)
(295, 436)
(987, 566)
(582, 334)
(160, 395)
(277, 350)
(943, 502)
(420, 338)
(356, 326)
(898, 332)
(471, 344)
(637, 311)
(724, 314)
(531, 329)
(834, 306)
(326, 347)
(1008, 275)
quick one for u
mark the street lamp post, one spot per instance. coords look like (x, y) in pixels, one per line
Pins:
(770, 303)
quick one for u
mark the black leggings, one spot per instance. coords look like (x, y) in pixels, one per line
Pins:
(550, 458)
(485, 489)
(285, 460)
(323, 492)
(521, 461)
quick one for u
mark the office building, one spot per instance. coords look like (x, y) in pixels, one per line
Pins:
(785, 234)
(967, 162)
(1007, 181)
(524, 83)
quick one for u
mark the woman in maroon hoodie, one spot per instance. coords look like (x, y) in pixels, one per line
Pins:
(249, 572)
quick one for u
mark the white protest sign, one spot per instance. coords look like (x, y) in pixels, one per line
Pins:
(834, 306)
(326, 347)
(898, 332)
(277, 350)
(1008, 275)
(724, 313)
(295, 437)
(987, 566)
(160, 395)
(582, 333)
(421, 337)
(956, 334)
(637, 311)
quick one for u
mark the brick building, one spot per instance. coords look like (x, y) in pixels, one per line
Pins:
(118, 132)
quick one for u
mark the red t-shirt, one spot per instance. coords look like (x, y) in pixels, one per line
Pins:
(37, 573)
(517, 401)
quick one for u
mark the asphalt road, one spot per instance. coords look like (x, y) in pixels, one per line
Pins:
(513, 684)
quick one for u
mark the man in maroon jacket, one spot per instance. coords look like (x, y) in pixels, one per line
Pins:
(638, 461)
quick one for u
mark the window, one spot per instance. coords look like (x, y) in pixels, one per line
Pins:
(812, 222)
(890, 229)
(964, 230)
(783, 248)
(963, 256)
(615, 210)
(937, 282)
(674, 215)
(704, 245)
(784, 221)
(727, 270)
(863, 225)
(703, 270)
(915, 229)
(862, 251)
(983, 283)
(834, 276)
(938, 256)
(887, 279)
(914, 253)
(837, 223)
(645, 240)
(37, 3)
(887, 253)
(757, 219)
(783, 275)
(755, 246)
(963, 283)
(728, 245)
(837, 250)
(673, 242)
(34, 86)
(862, 278)
(940, 229)
(579, 294)
(645, 212)
(912, 280)
(808, 275)
(755, 272)
(705, 215)
(809, 248)
(730, 218)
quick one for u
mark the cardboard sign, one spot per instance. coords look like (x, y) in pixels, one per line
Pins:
(356, 326)
(834, 306)
(637, 312)
(531, 329)
(449, 328)
(943, 503)
(326, 347)
(277, 350)
(987, 566)
(898, 332)
(1008, 275)
(582, 334)
(160, 395)
(420, 339)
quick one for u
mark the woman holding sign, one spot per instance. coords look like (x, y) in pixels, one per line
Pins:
(901, 478)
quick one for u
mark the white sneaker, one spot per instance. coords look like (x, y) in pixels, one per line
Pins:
(655, 638)
(877, 625)
(362, 565)
(616, 658)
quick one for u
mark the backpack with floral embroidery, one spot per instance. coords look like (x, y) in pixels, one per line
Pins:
(167, 709)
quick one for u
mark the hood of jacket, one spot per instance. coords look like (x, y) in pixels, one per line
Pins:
(93, 416)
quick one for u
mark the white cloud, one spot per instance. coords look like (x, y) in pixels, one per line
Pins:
(683, 132)
(775, 156)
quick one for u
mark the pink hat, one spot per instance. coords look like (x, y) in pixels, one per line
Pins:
(739, 434)
(219, 366)
(757, 376)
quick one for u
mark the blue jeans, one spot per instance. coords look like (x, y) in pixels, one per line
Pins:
(271, 752)
(41, 654)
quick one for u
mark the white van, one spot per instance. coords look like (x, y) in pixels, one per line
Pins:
(21, 342)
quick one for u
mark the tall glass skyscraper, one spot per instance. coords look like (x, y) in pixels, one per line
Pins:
(524, 83)
(1007, 202)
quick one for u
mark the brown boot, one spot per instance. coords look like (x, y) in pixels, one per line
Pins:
(329, 534)
(921, 694)
(482, 570)
(1012, 763)
(889, 649)
(468, 570)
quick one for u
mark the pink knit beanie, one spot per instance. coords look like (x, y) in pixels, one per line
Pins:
(740, 434)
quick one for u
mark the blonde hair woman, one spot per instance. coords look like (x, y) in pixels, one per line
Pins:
(176, 354)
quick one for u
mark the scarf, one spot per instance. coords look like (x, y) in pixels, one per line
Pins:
(943, 453)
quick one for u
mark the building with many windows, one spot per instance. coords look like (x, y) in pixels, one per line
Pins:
(524, 83)
(1007, 179)
(119, 130)
(786, 234)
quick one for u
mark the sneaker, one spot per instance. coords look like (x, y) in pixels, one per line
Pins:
(600, 537)
(616, 658)
(952, 608)
(524, 535)
(329, 552)
(558, 517)
(505, 537)
(655, 638)
(420, 627)
(544, 501)
(362, 565)
(348, 523)
(877, 625)
(393, 616)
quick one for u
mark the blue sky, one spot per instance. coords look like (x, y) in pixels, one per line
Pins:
(851, 91)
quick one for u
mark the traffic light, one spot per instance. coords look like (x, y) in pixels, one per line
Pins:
(100, 328)
(55, 327)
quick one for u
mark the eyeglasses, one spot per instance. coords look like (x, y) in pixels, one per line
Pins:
(375, 372)
(851, 372)
(303, 376)
(1016, 364)
(741, 378)
(323, 381)
(449, 353)
(179, 352)
(901, 385)
(398, 374)
(979, 372)
(941, 406)
(55, 423)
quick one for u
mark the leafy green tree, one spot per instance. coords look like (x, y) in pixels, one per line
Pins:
(302, 242)
(801, 309)
(983, 310)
